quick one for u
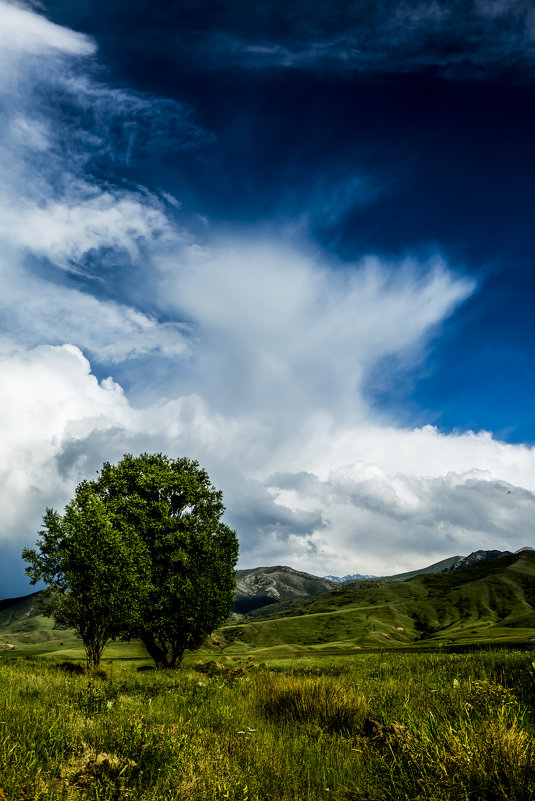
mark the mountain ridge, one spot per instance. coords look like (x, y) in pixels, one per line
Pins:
(263, 586)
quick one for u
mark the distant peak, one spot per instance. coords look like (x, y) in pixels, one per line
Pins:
(349, 577)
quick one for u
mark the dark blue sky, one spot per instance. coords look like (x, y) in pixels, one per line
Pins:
(422, 141)
(293, 240)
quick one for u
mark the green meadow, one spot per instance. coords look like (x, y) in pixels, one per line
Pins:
(383, 725)
(491, 603)
(422, 690)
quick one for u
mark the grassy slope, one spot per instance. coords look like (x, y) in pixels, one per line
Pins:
(491, 601)
(23, 626)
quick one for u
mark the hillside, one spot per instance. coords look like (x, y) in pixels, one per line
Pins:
(23, 625)
(492, 601)
(258, 606)
(262, 586)
(436, 567)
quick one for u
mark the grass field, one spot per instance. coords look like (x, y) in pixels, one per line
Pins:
(443, 727)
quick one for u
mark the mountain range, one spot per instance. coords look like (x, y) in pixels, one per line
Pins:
(349, 577)
(268, 590)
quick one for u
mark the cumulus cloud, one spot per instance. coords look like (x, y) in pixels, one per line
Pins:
(48, 393)
(371, 513)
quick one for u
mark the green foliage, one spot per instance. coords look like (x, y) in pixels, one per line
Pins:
(92, 569)
(140, 552)
(176, 513)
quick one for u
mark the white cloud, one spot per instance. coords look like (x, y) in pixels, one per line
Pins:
(399, 506)
(40, 311)
(48, 394)
(388, 521)
(279, 323)
(52, 210)
(22, 32)
(66, 230)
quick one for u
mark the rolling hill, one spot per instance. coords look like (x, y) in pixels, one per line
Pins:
(492, 601)
(23, 625)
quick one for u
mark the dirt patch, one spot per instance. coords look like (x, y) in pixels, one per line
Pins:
(84, 769)
(386, 735)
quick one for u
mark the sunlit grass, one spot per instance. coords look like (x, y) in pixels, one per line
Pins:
(372, 726)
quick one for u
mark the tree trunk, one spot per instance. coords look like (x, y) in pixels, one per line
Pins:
(176, 659)
(93, 653)
(155, 652)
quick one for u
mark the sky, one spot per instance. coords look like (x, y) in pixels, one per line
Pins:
(291, 240)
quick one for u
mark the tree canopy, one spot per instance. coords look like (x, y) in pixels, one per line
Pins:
(92, 571)
(163, 515)
(176, 512)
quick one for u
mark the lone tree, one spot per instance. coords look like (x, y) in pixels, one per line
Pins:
(92, 570)
(140, 552)
(192, 555)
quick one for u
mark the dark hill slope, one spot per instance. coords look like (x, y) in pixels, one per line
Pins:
(13, 610)
(23, 624)
(436, 567)
(491, 601)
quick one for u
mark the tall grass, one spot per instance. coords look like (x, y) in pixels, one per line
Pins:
(418, 726)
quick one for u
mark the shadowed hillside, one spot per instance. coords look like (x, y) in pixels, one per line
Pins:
(23, 625)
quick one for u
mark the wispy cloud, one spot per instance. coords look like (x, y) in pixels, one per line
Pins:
(54, 214)
(278, 322)
(24, 33)
(456, 38)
